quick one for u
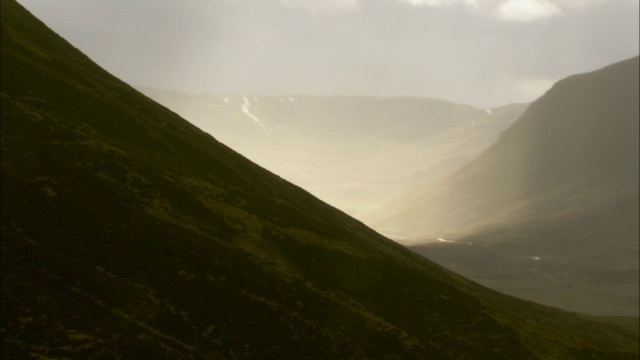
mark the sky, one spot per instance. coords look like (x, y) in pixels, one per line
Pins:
(484, 53)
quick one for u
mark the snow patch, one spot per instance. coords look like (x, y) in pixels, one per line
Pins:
(245, 109)
(451, 241)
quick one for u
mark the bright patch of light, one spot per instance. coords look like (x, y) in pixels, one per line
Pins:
(531, 89)
(527, 10)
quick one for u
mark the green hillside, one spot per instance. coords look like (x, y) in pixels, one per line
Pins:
(129, 233)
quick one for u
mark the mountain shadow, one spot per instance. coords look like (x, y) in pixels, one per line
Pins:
(129, 233)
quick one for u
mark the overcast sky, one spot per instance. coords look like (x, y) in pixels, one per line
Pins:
(478, 52)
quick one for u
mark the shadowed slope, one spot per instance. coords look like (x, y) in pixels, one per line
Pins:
(129, 233)
(561, 184)
(577, 144)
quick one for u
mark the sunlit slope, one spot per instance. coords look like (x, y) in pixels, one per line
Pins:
(129, 233)
(573, 153)
(354, 152)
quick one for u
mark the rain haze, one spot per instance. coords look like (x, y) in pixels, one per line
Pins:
(476, 52)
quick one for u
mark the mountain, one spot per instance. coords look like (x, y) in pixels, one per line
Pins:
(354, 152)
(560, 184)
(127, 232)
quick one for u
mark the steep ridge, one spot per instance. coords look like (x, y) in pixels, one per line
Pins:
(129, 233)
(354, 152)
(560, 183)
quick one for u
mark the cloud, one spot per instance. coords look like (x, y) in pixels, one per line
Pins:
(440, 2)
(584, 3)
(507, 10)
(527, 10)
(330, 6)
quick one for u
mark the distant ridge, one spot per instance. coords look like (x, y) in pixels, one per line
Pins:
(129, 233)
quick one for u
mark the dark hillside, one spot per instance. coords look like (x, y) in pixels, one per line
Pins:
(129, 233)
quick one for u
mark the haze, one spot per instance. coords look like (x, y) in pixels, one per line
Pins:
(481, 53)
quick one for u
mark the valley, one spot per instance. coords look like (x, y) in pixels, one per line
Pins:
(355, 153)
(416, 169)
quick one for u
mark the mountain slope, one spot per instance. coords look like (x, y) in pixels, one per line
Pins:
(354, 152)
(561, 182)
(129, 233)
(581, 135)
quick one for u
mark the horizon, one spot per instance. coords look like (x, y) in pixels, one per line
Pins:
(283, 95)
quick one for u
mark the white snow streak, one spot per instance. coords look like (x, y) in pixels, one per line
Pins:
(245, 109)
(450, 241)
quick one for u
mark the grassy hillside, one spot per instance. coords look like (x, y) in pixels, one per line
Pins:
(129, 233)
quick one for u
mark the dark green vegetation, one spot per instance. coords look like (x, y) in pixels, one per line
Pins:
(129, 233)
(553, 203)
(353, 152)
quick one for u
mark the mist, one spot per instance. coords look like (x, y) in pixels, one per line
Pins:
(480, 53)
